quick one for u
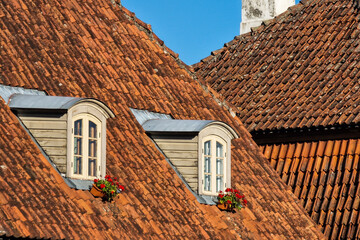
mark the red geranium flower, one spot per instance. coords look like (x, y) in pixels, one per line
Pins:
(244, 201)
(95, 180)
(228, 201)
(237, 195)
(227, 190)
(121, 187)
(102, 186)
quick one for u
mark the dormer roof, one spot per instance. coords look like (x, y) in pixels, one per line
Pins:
(182, 126)
(44, 102)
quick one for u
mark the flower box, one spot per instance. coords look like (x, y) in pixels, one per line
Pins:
(96, 192)
(225, 206)
(231, 200)
(107, 188)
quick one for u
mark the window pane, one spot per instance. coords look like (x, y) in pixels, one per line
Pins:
(219, 183)
(219, 166)
(207, 148)
(92, 130)
(207, 165)
(219, 150)
(207, 186)
(92, 148)
(92, 167)
(77, 146)
(78, 127)
(77, 165)
(78, 161)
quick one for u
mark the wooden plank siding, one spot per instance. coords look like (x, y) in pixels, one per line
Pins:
(51, 134)
(183, 154)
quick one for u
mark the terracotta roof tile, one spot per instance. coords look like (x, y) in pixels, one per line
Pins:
(311, 60)
(100, 50)
(328, 192)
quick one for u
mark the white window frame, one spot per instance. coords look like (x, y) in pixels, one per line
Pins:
(214, 133)
(86, 111)
(213, 140)
(85, 146)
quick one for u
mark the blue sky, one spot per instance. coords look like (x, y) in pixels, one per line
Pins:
(192, 28)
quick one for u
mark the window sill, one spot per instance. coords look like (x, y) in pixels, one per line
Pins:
(79, 184)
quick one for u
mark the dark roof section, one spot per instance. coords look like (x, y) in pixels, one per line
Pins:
(297, 70)
(96, 49)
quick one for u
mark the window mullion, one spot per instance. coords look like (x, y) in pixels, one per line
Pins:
(98, 146)
(213, 166)
(86, 147)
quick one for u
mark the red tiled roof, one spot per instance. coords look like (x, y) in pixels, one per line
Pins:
(297, 70)
(324, 176)
(95, 49)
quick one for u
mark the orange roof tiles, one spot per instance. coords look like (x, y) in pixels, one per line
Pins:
(297, 70)
(100, 50)
(326, 182)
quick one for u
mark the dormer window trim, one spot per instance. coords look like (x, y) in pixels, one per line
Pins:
(87, 112)
(216, 133)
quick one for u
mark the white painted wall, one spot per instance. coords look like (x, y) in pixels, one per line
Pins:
(254, 12)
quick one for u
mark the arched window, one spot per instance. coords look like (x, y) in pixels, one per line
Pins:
(214, 162)
(86, 144)
(86, 151)
(214, 165)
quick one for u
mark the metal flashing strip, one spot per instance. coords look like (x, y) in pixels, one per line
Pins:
(143, 115)
(78, 183)
(7, 91)
(175, 125)
(24, 101)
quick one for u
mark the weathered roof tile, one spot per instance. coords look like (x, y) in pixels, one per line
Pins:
(100, 50)
(313, 42)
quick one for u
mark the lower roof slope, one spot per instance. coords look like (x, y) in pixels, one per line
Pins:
(324, 175)
(297, 70)
(95, 49)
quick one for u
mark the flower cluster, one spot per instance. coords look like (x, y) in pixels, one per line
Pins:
(109, 186)
(233, 198)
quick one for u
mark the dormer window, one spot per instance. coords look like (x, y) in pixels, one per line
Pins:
(214, 160)
(71, 131)
(199, 149)
(86, 143)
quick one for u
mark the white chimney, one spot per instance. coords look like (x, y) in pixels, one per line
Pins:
(254, 12)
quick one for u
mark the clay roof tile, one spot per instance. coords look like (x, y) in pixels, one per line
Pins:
(303, 44)
(100, 50)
